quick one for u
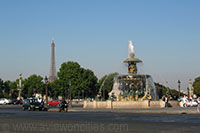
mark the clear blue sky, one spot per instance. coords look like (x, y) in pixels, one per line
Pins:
(95, 33)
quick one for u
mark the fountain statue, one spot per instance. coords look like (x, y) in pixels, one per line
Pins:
(133, 86)
(19, 86)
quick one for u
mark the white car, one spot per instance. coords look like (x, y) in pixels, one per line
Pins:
(4, 101)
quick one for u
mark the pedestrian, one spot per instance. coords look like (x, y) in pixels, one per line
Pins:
(39, 100)
(170, 98)
(184, 101)
(190, 101)
(149, 99)
(63, 106)
(166, 101)
(163, 98)
(198, 104)
(42, 101)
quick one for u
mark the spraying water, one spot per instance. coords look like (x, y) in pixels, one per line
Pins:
(103, 84)
(131, 47)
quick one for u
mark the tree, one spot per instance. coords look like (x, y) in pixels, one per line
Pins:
(69, 74)
(88, 84)
(106, 83)
(55, 89)
(77, 80)
(163, 90)
(33, 84)
(1, 88)
(196, 86)
(14, 91)
(6, 89)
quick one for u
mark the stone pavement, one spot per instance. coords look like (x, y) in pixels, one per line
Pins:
(177, 110)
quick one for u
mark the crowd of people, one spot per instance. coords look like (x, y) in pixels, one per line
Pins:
(186, 101)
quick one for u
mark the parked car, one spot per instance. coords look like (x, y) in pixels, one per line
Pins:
(54, 102)
(5, 101)
(33, 104)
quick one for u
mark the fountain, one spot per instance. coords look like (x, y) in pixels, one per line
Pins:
(133, 87)
(131, 90)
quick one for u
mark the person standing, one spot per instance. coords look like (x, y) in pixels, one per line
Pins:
(198, 104)
(184, 101)
(39, 100)
(190, 101)
(166, 101)
(63, 106)
(149, 99)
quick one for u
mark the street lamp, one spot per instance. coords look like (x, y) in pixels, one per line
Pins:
(70, 93)
(190, 92)
(19, 86)
(46, 82)
(179, 86)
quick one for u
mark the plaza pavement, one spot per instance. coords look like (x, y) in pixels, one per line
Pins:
(79, 108)
(176, 110)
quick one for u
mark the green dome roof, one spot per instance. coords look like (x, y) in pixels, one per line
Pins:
(132, 59)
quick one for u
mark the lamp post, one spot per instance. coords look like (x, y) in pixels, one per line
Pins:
(46, 82)
(70, 93)
(167, 93)
(19, 86)
(179, 86)
(190, 88)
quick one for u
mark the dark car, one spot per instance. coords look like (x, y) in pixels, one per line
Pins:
(32, 104)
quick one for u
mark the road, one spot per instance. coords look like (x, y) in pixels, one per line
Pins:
(13, 119)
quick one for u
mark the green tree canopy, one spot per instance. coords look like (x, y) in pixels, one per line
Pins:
(163, 90)
(196, 86)
(33, 84)
(55, 89)
(1, 87)
(6, 89)
(79, 80)
(13, 87)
